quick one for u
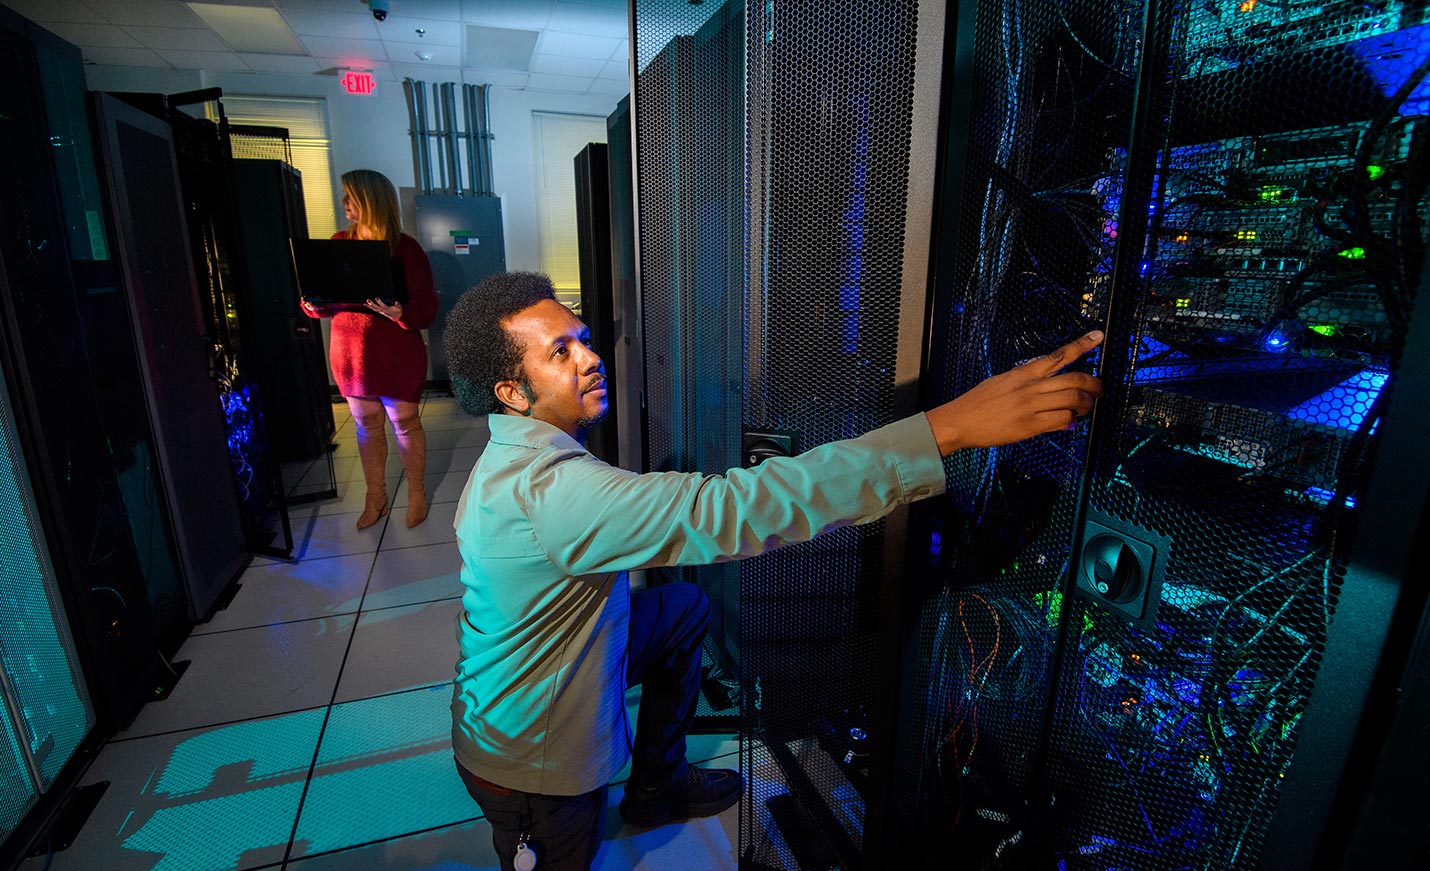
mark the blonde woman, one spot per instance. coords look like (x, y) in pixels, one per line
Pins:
(378, 357)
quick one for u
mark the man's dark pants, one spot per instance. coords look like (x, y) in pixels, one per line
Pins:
(667, 626)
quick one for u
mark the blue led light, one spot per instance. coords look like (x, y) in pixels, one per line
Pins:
(1324, 496)
(1345, 405)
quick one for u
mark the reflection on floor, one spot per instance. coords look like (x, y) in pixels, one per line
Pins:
(312, 730)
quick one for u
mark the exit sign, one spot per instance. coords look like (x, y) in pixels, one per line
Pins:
(355, 82)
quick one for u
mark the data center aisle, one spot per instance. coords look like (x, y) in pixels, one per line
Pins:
(311, 731)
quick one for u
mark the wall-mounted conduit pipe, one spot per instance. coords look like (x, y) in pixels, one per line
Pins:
(449, 138)
(416, 93)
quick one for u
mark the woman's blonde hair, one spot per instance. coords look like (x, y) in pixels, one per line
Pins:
(376, 201)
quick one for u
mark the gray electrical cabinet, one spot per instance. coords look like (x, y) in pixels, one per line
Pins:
(463, 239)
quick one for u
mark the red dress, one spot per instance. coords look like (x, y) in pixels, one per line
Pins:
(374, 356)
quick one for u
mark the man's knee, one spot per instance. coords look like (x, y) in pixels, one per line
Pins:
(694, 604)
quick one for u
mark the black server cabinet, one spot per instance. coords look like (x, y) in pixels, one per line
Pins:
(204, 152)
(782, 196)
(285, 345)
(1147, 643)
(627, 355)
(689, 187)
(181, 395)
(75, 385)
(593, 239)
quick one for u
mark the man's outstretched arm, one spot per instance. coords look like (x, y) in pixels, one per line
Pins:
(590, 517)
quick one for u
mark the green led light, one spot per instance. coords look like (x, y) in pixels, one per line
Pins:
(1374, 171)
(1273, 194)
(1324, 329)
(1356, 253)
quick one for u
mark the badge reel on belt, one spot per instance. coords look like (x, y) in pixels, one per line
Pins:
(526, 857)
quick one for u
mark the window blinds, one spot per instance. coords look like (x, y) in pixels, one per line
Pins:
(307, 126)
(556, 140)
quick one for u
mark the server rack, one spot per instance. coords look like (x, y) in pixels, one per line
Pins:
(93, 599)
(593, 239)
(287, 344)
(75, 384)
(204, 153)
(782, 182)
(180, 393)
(1146, 643)
(1172, 636)
(628, 351)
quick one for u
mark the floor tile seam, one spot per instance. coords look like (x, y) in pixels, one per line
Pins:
(214, 632)
(328, 713)
(272, 560)
(456, 598)
(296, 862)
(124, 739)
(423, 544)
(417, 689)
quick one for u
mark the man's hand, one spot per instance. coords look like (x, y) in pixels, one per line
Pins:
(1023, 402)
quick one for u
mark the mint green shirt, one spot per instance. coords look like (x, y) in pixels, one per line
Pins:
(547, 533)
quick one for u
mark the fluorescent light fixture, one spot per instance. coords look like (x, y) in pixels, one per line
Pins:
(258, 29)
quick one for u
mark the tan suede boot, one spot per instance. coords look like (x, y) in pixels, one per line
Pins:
(412, 447)
(372, 451)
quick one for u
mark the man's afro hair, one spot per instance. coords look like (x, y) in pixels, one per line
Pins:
(480, 351)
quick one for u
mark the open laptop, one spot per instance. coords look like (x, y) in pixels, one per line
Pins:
(343, 274)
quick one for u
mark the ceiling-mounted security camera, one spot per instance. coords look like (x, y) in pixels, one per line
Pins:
(379, 9)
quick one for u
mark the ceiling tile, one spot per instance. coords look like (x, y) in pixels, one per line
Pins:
(439, 55)
(434, 32)
(249, 28)
(219, 61)
(47, 11)
(616, 69)
(324, 5)
(496, 78)
(347, 49)
(595, 20)
(106, 35)
(609, 87)
(565, 84)
(560, 65)
(579, 45)
(500, 48)
(123, 57)
(287, 64)
(381, 71)
(519, 14)
(443, 10)
(146, 13)
(426, 73)
(184, 39)
(340, 25)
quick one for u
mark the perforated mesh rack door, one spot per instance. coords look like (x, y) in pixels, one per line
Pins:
(690, 196)
(1250, 228)
(1051, 93)
(44, 706)
(782, 289)
(831, 96)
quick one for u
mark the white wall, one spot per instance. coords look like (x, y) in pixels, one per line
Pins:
(371, 132)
